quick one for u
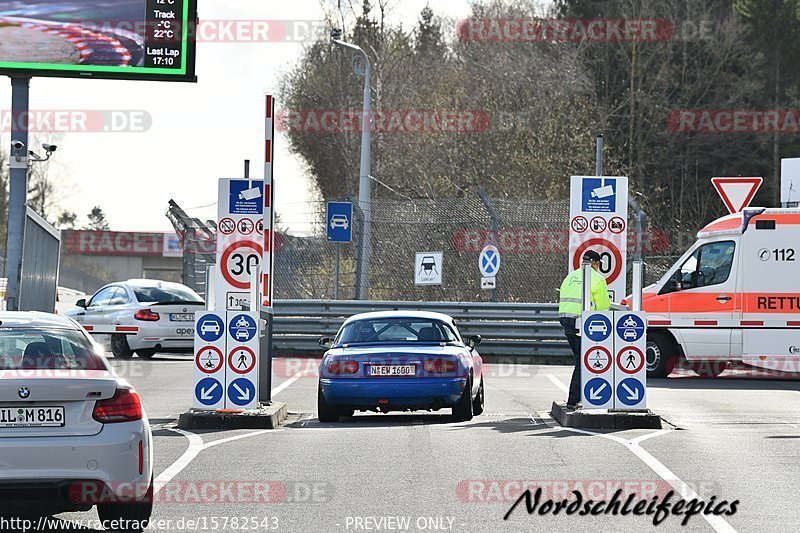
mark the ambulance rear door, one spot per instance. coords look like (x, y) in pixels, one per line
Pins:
(770, 290)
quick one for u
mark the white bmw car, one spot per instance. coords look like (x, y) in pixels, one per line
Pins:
(162, 311)
(73, 434)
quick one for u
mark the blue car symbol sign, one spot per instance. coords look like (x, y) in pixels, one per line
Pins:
(242, 328)
(630, 328)
(210, 327)
(597, 327)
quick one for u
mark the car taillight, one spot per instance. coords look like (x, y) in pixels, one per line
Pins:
(342, 367)
(147, 315)
(125, 406)
(439, 366)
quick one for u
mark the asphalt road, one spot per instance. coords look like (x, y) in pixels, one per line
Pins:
(727, 439)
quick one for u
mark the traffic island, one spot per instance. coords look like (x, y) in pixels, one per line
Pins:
(265, 417)
(604, 418)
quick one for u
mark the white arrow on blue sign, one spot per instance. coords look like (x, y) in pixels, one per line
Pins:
(241, 391)
(489, 261)
(630, 391)
(208, 391)
(597, 391)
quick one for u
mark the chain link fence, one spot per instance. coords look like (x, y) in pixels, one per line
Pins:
(532, 236)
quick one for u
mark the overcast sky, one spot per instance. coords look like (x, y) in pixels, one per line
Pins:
(200, 132)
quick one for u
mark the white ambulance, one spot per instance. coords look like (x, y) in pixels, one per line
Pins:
(734, 296)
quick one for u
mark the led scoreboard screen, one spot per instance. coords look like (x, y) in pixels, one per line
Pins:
(118, 39)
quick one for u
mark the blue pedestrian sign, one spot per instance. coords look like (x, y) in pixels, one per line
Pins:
(630, 328)
(210, 327)
(208, 391)
(242, 328)
(489, 261)
(597, 327)
(241, 391)
(597, 391)
(630, 391)
(599, 195)
(340, 222)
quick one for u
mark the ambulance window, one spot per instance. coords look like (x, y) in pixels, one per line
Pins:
(708, 265)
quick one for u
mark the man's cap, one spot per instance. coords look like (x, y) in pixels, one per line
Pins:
(591, 256)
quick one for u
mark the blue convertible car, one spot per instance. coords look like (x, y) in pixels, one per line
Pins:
(400, 361)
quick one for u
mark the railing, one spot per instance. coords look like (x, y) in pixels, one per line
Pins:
(508, 329)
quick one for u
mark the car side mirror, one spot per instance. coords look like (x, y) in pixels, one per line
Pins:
(81, 303)
(474, 340)
(326, 342)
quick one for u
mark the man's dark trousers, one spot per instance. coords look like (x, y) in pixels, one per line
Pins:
(575, 343)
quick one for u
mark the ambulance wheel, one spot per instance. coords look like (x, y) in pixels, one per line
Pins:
(661, 354)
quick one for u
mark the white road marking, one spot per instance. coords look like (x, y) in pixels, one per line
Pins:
(686, 492)
(557, 382)
(286, 383)
(196, 444)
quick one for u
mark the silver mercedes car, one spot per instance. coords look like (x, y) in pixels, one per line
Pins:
(73, 434)
(162, 313)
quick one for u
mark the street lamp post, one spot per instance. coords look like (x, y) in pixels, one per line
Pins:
(361, 67)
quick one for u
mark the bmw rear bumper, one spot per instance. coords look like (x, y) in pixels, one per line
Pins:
(392, 394)
(72, 472)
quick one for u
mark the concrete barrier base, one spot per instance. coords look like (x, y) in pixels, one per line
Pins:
(604, 419)
(266, 417)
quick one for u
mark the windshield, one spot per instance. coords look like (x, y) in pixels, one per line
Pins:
(40, 348)
(167, 294)
(396, 330)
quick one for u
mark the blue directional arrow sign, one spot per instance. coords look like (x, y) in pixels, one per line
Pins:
(630, 328)
(208, 391)
(597, 327)
(242, 328)
(489, 261)
(340, 222)
(241, 391)
(597, 391)
(630, 391)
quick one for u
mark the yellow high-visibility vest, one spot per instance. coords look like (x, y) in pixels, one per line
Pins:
(571, 291)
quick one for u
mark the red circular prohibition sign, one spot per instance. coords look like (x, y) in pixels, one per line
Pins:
(633, 349)
(227, 255)
(576, 260)
(209, 370)
(589, 367)
(236, 368)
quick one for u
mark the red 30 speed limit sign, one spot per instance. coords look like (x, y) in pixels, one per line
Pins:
(238, 263)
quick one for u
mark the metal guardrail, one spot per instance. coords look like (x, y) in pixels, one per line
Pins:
(508, 329)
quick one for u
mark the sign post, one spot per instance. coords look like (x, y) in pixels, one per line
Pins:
(598, 221)
(597, 360)
(339, 228)
(209, 360)
(489, 265)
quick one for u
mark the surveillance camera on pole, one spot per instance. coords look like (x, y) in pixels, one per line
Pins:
(48, 148)
(18, 159)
